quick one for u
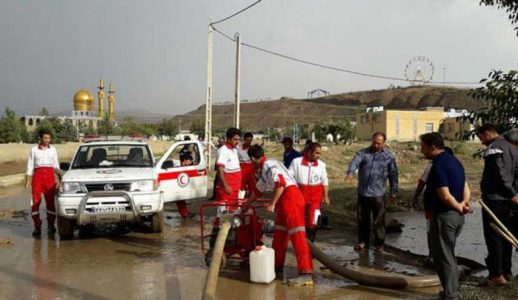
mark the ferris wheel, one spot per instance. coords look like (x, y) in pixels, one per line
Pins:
(419, 70)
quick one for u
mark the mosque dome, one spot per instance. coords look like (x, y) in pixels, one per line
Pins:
(84, 100)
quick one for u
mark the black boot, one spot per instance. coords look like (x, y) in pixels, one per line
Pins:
(311, 234)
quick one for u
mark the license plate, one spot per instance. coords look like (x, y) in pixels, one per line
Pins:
(109, 209)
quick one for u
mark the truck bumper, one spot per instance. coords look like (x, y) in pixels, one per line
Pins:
(103, 207)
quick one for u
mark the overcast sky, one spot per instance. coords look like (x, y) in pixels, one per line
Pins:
(155, 52)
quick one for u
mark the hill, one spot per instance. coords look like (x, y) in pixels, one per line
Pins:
(414, 97)
(287, 111)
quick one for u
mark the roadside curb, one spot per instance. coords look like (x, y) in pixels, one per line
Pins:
(9, 180)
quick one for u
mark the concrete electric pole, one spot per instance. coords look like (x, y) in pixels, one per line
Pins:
(208, 104)
(237, 81)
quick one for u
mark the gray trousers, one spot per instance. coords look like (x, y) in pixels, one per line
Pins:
(368, 206)
(444, 230)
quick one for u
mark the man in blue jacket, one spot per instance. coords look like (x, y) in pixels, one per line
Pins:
(499, 188)
(375, 165)
(289, 153)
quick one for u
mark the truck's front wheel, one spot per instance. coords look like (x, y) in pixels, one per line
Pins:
(65, 228)
(157, 222)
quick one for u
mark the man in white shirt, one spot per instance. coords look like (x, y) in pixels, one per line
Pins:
(311, 176)
(247, 167)
(42, 165)
(228, 170)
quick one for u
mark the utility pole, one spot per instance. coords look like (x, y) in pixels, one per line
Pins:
(237, 81)
(208, 104)
(443, 75)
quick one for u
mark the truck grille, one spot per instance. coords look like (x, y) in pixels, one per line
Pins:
(94, 187)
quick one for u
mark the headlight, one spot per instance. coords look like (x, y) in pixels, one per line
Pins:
(73, 188)
(143, 186)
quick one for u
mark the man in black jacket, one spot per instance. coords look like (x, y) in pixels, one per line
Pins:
(499, 188)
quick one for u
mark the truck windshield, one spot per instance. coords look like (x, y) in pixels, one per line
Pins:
(109, 156)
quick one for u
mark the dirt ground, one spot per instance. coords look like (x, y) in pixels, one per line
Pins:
(137, 264)
(170, 265)
(13, 167)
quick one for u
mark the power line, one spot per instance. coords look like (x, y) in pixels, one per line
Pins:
(235, 14)
(333, 68)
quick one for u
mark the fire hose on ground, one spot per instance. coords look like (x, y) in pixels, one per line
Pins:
(209, 292)
(385, 281)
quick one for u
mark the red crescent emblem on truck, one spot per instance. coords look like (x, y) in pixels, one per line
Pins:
(183, 179)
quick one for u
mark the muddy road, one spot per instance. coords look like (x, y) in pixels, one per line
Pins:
(140, 265)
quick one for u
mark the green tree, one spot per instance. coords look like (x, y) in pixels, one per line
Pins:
(67, 131)
(148, 129)
(348, 133)
(197, 127)
(25, 135)
(44, 112)
(500, 93)
(320, 130)
(10, 127)
(128, 126)
(168, 127)
(510, 7)
(106, 127)
(341, 131)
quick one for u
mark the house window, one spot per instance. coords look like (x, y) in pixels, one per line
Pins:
(429, 127)
(397, 124)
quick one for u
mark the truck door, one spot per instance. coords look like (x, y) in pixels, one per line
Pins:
(182, 172)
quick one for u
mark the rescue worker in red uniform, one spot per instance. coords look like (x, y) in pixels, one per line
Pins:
(228, 170)
(247, 167)
(185, 160)
(42, 165)
(311, 176)
(288, 202)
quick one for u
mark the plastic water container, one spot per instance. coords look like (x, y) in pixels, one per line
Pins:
(262, 265)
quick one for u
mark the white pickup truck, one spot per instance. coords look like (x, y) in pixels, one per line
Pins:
(119, 182)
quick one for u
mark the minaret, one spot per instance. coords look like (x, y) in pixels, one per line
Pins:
(100, 95)
(111, 103)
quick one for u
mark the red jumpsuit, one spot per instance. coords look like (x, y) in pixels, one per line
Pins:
(42, 165)
(289, 224)
(228, 159)
(247, 168)
(311, 178)
(182, 208)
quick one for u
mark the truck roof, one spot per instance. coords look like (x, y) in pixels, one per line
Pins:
(121, 142)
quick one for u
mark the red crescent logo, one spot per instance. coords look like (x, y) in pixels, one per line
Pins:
(183, 179)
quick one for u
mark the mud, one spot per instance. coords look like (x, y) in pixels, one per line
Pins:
(170, 265)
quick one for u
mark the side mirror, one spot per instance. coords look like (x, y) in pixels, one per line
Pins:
(64, 166)
(167, 164)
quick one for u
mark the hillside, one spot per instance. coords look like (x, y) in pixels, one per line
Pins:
(405, 98)
(287, 111)
(270, 114)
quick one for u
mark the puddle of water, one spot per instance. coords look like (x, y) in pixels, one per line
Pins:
(470, 244)
(140, 265)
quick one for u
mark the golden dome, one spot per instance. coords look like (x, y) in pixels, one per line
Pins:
(84, 100)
